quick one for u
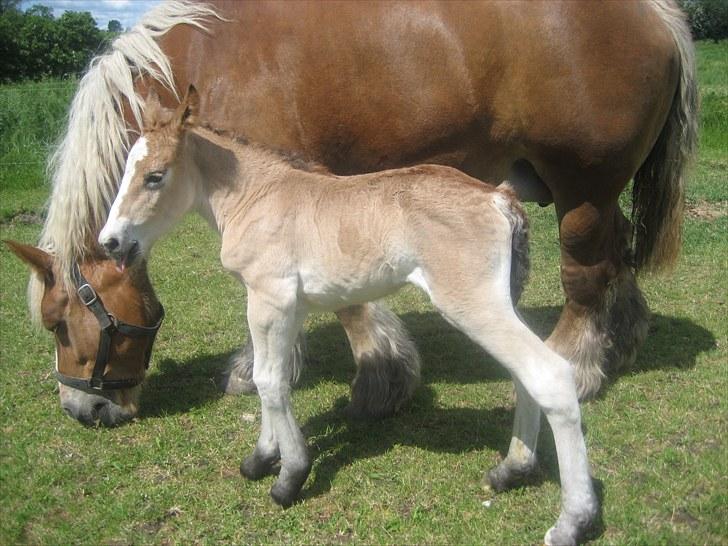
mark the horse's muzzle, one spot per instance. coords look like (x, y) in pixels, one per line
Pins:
(94, 408)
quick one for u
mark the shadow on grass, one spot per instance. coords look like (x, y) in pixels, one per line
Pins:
(178, 387)
(337, 441)
(447, 354)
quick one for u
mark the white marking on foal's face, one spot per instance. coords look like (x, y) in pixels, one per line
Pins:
(138, 152)
(117, 226)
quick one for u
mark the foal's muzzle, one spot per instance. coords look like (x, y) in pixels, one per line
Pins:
(123, 252)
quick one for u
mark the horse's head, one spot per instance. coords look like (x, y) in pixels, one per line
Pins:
(104, 326)
(156, 189)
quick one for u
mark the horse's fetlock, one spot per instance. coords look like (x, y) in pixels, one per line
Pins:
(510, 474)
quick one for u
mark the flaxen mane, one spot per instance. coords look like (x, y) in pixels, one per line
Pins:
(86, 167)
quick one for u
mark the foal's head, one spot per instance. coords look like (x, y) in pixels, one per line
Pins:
(155, 190)
(125, 295)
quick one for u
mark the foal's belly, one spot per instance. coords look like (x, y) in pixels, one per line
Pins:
(326, 292)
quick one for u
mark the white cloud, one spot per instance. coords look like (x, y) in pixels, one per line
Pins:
(127, 12)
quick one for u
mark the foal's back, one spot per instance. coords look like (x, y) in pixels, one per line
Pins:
(367, 235)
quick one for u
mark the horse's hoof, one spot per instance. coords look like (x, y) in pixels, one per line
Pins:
(238, 376)
(504, 477)
(233, 384)
(255, 468)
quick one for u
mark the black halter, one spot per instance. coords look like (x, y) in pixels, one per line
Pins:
(109, 324)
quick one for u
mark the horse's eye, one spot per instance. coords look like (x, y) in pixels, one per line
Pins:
(154, 181)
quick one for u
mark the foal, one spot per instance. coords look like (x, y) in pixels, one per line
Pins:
(301, 243)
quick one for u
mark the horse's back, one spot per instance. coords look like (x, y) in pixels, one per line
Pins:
(367, 86)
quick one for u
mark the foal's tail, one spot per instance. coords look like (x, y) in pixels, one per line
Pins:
(520, 259)
(659, 186)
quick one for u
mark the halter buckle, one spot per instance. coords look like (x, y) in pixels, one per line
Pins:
(87, 294)
(96, 383)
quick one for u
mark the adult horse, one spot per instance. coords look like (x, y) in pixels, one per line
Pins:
(568, 100)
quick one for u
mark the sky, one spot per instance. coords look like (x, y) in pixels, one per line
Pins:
(127, 12)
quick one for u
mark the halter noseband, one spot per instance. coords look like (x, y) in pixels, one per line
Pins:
(109, 324)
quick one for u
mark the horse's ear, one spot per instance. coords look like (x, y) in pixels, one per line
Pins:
(189, 107)
(39, 260)
(152, 107)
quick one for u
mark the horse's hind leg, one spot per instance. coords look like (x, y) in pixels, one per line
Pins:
(237, 378)
(388, 364)
(604, 320)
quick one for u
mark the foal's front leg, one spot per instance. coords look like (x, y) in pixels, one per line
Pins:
(275, 319)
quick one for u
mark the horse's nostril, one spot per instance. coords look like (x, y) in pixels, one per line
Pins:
(111, 244)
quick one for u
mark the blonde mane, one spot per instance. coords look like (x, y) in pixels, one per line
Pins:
(87, 164)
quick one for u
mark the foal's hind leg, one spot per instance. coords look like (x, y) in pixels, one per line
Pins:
(520, 463)
(486, 315)
(549, 380)
(388, 364)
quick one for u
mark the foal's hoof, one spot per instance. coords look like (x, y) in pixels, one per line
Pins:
(283, 495)
(572, 530)
(288, 485)
(255, 468)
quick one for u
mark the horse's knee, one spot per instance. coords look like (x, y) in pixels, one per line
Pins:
(589, 262)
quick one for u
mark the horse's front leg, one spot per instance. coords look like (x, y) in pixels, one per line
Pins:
(275, 319)
(237, 378)
(387, 360)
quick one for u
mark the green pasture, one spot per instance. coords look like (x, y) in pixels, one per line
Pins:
(656, 436)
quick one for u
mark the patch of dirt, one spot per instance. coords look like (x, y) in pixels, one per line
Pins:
(682, 517)
(705, 210)
(23, 218)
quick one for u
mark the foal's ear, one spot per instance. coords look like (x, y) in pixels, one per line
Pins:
(39, 260)
(152, 108)
(189, 106)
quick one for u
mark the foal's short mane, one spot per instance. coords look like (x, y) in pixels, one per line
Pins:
(294, 159)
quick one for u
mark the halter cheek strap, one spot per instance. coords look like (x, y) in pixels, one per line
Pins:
(109, 325)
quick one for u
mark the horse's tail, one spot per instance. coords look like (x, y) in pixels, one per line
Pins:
(658, 194)
(520, 258)
(88, 161)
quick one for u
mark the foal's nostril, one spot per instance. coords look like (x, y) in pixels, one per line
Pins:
(111, 244)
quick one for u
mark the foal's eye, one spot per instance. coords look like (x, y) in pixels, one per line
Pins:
(154, 181)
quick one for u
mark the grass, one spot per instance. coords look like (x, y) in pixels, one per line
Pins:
(656, 437)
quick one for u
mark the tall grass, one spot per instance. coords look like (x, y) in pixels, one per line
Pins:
(32, 117)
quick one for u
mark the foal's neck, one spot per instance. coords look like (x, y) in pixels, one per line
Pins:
(232, 173)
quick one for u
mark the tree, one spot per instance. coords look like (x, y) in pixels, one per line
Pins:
(708, 18)
(114, 26)
(9, 5)
(35, 45)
